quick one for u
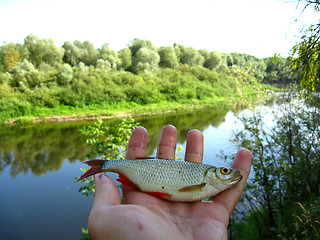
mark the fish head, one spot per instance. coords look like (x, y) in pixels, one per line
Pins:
(223, 176)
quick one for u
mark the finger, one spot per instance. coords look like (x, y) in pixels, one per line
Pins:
(136, 148)
(137, 143)
(106, 195)
(167, 142)
(229, 198)
(106, 191)
(194, 149)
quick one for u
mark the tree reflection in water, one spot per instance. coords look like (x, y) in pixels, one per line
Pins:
(40, 148)
(44, 147)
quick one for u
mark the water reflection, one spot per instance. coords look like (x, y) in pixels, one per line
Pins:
(40, 148)
(43, 148)
(183, 122)
(55, 152)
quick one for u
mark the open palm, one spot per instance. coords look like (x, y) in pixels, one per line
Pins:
(143, 216)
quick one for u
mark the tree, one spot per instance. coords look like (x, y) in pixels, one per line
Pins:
(88, 53)
(107, 54)
(66, 74)
(286, 169)
(145, 57)
(229, 60)
(237, 59)
(306, 53)
(190, 56)
(136, 44)
(72, 54)
(145, 61)
(212, 61)
(125, 59)
(103, 65)
(168, 57)
(24, 75)
(279, 71)
(306, 57)
(9, 56)
(43, 50)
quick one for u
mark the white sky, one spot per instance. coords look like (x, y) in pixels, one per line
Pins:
(256, 27)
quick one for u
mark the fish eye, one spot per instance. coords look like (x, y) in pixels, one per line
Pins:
(225, 170)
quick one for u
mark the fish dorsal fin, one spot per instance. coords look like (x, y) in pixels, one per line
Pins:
(145, 158)
(192, 188)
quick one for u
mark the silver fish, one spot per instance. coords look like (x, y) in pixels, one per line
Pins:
(172, 180)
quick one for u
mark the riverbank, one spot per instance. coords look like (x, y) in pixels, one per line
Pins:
(125, 109)
(109, 111)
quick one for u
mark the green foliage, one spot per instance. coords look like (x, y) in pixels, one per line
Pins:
(249, 228)
(9, 56)
(107, 54)
(66, 75)
(71, 54)
(212, 60)
(88, 53)
(190, 57)
(279, 71)
(306, 57)
(306, 53)
(308, 220)
(145, 57)
(125, 59)
(42, 77)
(85, 234)
(168, 58)
(107, 142)
(43, 50)
(286, 169)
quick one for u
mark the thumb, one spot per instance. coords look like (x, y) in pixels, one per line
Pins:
(106, 191)
(106, 195)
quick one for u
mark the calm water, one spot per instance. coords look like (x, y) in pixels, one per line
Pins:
(39, 199)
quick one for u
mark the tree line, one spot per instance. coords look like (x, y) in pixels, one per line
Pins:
(39, 74)
(141, 56)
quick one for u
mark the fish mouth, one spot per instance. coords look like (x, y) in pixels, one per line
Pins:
(237, 178)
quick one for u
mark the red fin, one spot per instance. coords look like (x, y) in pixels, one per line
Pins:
(192, 188)
(124, 180)
(145, 158)
(96, 167)
(160, 194)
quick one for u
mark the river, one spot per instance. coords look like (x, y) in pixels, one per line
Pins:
(39, 199)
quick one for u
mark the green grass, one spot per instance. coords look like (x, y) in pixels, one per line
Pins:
(123, 109)
(106, 110)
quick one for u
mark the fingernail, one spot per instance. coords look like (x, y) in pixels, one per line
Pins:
(140, 138)
(240, 150)
(100, 177)
(247, 152)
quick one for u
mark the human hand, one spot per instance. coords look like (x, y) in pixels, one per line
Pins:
(143, 216)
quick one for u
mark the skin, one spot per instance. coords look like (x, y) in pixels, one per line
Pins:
(143, 216)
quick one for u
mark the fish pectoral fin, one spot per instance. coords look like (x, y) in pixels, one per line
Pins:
(124, 180)
(192, 188)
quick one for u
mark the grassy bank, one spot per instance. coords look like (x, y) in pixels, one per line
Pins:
(62, 113)
(107, 111)
(114, 94)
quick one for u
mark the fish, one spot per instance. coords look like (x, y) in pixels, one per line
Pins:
(173, 180)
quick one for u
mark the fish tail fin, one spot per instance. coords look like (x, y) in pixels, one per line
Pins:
(96, 167)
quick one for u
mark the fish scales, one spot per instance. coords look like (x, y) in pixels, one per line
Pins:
(168, 172)
(172, 180)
